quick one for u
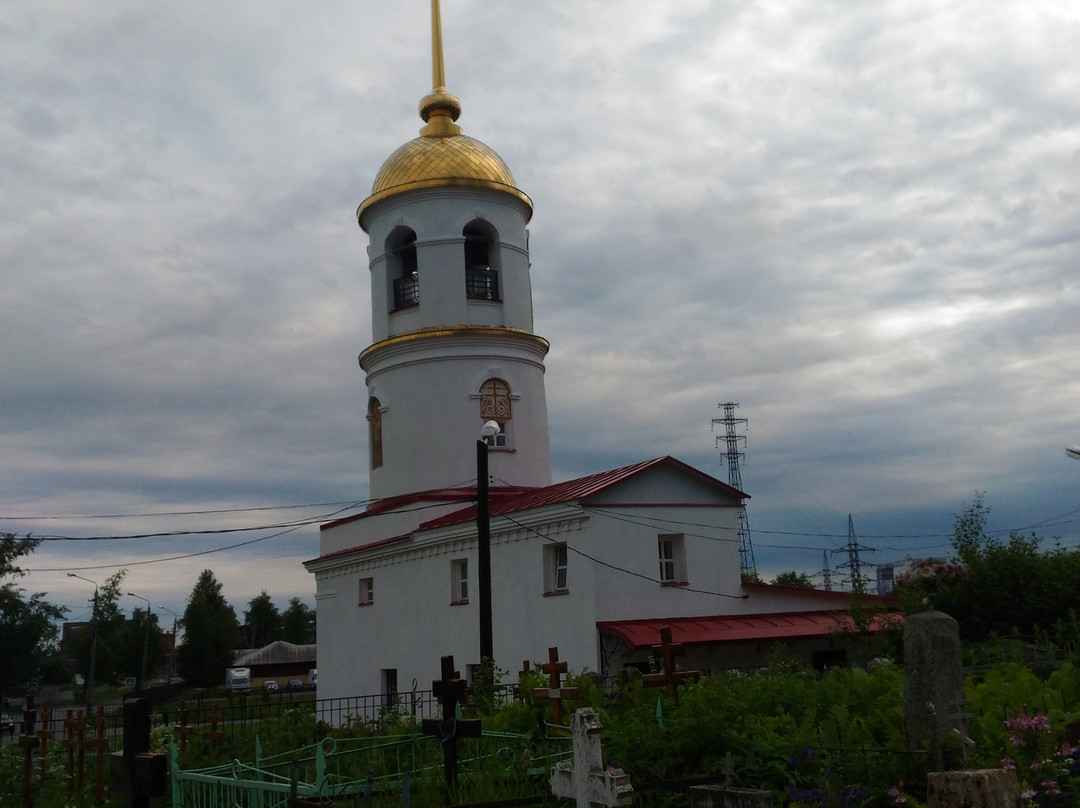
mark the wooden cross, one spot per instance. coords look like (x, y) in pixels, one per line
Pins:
(450, 690)
(44, 735)
(214, 734)
(525, 671)
(69, 743)
(28, 740)
(184, 728)
(555, 692)
(670, 678)
(98, 743)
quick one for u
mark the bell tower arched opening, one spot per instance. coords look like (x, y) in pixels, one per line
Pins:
(402, 268)
(481, 261)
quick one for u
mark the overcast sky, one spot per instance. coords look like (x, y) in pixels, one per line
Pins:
(860, 221)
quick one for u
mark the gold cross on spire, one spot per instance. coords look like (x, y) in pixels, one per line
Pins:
(439, 109)
(438, 75)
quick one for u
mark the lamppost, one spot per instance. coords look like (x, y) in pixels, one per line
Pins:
(172, 654)
(89, 693)
(483, 540)
(146, 640)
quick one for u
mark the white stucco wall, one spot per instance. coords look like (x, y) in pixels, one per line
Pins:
(612, 575)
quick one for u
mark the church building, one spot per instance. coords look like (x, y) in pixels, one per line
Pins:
(596, 566)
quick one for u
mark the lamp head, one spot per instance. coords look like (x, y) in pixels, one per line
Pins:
(1073, 452)
(490, 429)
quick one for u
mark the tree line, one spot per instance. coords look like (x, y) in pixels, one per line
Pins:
(212, 633)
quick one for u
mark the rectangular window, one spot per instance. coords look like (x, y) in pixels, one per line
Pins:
(555, 580)
(367, 592)
(672, 558)
(459, 581)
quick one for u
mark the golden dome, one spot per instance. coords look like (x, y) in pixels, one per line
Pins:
(434, 162)
(441, 157)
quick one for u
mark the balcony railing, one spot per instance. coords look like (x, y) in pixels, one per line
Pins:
(407, 291)
(482, 284)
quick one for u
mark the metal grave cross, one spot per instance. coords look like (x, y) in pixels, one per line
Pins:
(555, 692)
(450, 690)
(586, 781)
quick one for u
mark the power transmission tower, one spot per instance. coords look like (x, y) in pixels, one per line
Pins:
(854, 565)
(731, 439)
(826, 571)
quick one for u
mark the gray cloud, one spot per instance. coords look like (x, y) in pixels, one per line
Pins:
(860, 221)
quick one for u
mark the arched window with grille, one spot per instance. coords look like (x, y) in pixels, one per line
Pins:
(495, 406)
(481, 275)
(402, 269)
(374, 417)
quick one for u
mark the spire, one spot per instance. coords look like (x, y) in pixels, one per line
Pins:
(439, 109)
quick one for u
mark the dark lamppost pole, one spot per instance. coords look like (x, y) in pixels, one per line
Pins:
(483, 535)
(93, 643)
(171, 665)
(146, 640)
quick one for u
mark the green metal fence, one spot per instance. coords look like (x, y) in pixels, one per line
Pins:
(356, 771)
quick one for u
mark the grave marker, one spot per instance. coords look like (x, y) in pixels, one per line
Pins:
(586, 781)
(671, 678)
(450, 691)
(138, 773)
(933, 683)
(555, 692)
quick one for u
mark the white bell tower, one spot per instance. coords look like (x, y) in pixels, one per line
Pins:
(451, 306)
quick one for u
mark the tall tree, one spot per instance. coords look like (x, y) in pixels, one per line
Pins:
(262, 622)
(108, 620)
(998, 587)
(298, 623)
(210, 629)
(27, 622)
(793, 578)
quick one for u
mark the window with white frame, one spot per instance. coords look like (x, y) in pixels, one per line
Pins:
(672, 558)
(367, 592)
(555, 569)
(459, 581)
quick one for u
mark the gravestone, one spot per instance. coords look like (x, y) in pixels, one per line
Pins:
(137, 773)
(981, 788)
(724, 796)
(933, 684)
(585, 780)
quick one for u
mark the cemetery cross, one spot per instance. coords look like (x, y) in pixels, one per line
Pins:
(555, 692)
(450, 690)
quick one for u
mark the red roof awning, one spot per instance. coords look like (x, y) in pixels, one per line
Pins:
(730, 628)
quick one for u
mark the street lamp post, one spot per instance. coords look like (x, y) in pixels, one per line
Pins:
(89, 693)
(483, 540)
(172, 654)
(146, 640)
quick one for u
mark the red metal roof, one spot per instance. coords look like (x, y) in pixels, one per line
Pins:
(511, 499)
(729, 628)
(521, 499)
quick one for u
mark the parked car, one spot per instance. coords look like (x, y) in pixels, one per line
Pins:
(7, 724)
(294, 686)
(271, 686)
